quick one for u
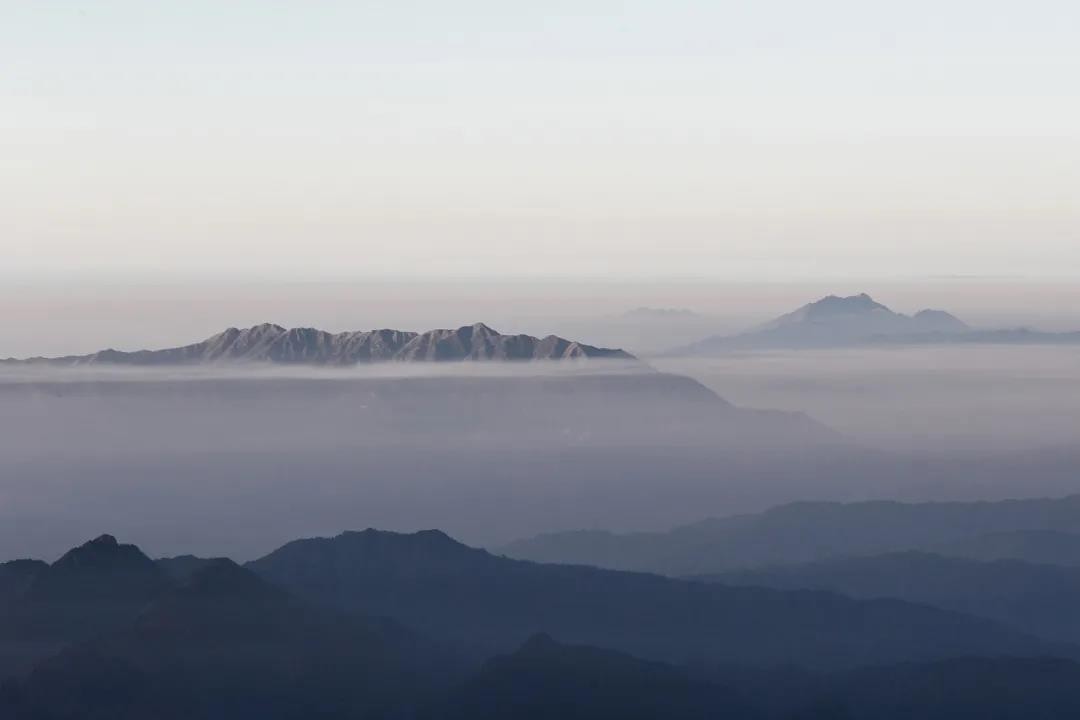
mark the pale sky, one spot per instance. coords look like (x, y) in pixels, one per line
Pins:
(773, 139)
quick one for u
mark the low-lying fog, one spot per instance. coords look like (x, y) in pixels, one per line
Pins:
(239, 462)
(940, 399)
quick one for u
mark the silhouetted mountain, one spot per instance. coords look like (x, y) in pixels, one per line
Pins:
(798, 533)
(179, 569)
(227, 645)
(957, 689)
(97, 587)
(101, 570)
(224, 643)
(938, 321)
(1036, 546)
(833, 321)
(17, 575)
(545, 680)
(1043, 600)
(270, 343)
(491, 604)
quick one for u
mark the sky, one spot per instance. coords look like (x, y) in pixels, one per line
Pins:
(775, 140)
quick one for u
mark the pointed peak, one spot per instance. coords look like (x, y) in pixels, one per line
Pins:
(103, 548)
(476, 329)
(265, 327)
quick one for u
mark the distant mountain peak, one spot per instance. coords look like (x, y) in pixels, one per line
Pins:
(931, 320)
(835, 321)
(271, 343)
(833, 305)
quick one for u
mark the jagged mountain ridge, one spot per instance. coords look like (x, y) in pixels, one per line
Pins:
(269, 343)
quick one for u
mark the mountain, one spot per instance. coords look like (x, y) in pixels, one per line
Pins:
(956, 689)
(17, 575)
(212, 639)
(799, 533)
(547, 680)
(269, 343)
(181, 568)
(1036, 546)
(101, 570)
(227, 644)
(92, 589)
(490, 604)
(1043, 600)
(834, 321)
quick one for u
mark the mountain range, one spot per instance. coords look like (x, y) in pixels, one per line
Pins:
(859, 320)
(270, 343)
(491, 604)
(807, 532)
(223, 644)
(1039, 598)
(550, 680)
(384, 625)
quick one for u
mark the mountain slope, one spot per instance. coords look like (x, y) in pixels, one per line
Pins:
(1036, 546)
(492, 604)
(17, 575)
(546, 680)
(226, 644)
(1040, 599)
(270, 343)
(95, 588)
(798, 533)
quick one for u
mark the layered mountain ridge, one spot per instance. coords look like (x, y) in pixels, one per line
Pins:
(376, 624)
(269, 343)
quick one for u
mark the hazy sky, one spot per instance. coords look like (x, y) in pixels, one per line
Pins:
(775, 139)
